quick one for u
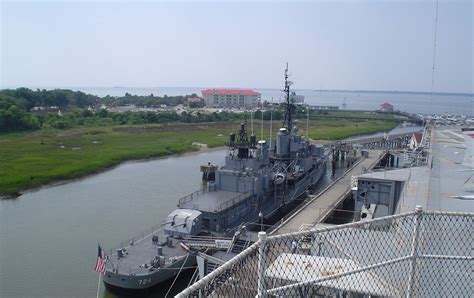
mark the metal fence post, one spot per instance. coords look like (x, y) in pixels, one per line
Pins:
(262, 237)
(414, 250)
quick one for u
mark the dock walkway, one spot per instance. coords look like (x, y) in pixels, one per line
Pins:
(320, 205)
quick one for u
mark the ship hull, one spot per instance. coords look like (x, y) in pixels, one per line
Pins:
(131, 285)
(301, 189)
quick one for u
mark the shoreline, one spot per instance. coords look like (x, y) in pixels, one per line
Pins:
(196, 148)
(201, 149)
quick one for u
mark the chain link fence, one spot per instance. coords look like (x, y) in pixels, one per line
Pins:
(417, 254)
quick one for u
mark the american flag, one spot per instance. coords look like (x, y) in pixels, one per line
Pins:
(101, 260)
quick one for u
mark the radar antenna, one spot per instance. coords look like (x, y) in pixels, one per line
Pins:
(241, 143)
(288, 121)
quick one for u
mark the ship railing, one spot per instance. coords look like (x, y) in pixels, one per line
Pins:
(207, 241)
(141, 270)
(192, 196)
(235, 200)
(254, 226)
(206, 238)
(203, 239)
(138, 237)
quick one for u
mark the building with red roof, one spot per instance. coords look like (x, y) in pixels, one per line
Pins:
(230, 98)
(415, 140)
(386, 107)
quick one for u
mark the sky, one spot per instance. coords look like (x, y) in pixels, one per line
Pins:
(356, 45)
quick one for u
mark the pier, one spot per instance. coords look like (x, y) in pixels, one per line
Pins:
(390, 141)
(320, 206)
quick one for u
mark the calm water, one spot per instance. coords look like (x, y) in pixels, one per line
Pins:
(413, 103)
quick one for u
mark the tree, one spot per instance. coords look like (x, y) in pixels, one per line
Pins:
(86, 113)
(102, 113)
(195, 104)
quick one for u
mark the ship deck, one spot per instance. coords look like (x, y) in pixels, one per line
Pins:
(142, 252)
(214, 201)
(448, 176)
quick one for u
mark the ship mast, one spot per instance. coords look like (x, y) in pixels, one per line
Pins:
(288, 122)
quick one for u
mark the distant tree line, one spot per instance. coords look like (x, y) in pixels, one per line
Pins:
(25, 99)
(16, 114)
(143, 100)
(16, 104)
(16, 109)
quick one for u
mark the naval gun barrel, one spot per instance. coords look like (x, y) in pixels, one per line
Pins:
(181, 224)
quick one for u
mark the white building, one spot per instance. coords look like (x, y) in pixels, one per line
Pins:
(230, 98)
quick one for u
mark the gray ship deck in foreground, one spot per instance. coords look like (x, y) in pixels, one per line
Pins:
(140, 253)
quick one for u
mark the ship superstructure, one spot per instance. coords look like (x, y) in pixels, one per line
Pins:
(257, 178)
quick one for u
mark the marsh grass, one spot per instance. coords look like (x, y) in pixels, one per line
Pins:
(32, 159)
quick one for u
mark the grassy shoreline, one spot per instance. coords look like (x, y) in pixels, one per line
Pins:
(55, 182)
(29, 160)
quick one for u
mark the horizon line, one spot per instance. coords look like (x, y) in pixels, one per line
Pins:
(226, 87)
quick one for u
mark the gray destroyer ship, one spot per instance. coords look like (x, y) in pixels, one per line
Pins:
(258, 178)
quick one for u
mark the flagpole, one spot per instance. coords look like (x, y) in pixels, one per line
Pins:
(98, 285)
